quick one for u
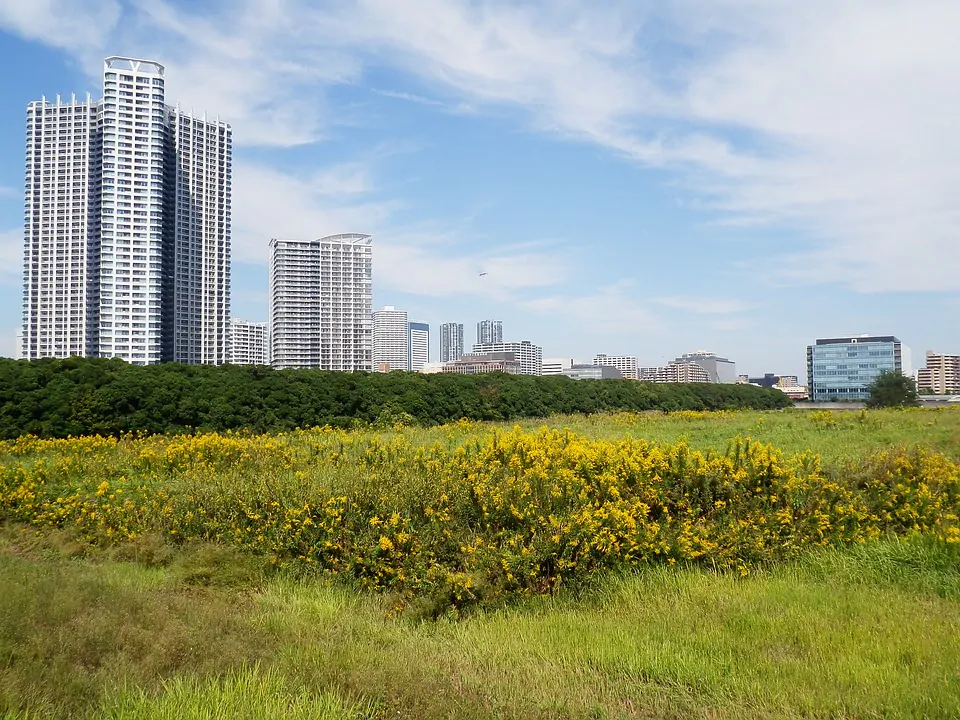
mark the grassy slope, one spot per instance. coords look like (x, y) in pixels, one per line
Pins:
(873, 632)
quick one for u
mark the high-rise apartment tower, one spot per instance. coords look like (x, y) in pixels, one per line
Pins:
(451, 342)
(126, 225)
(391, 340)
(249, 343)
(320, 297)
(419, 346)
(489, 331)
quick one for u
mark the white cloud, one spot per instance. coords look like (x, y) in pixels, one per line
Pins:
(79, 26)
(612, 309)
(704, 305)
(836, 120)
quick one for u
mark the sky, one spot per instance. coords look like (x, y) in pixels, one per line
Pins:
(634, 178)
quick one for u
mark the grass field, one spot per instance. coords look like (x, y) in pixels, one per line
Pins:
(156, 626)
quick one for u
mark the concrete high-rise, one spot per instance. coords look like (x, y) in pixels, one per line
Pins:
(451, 342)
(489, 331)
(320, 297)
(391, 340)
(249, 343)
(941, 375)
(126, 225)
(418, 346)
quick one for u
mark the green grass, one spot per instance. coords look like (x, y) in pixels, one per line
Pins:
(197, 632)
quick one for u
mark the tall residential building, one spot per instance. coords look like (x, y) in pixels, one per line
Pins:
(126, 225)
(249, 343)
(319, 303)
(718, 368)
(419, 346)
(941, 374)
(489, 332)
(626, 364)
(555, 366)
(391, 340)
(843, 368)
(529, 355)
(451, 342)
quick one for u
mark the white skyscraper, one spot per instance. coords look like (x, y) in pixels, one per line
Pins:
(419, 345)
(127, 225)
(391, 340)
(320, 299)
(489, 331)
(249, 343)
(451, 342)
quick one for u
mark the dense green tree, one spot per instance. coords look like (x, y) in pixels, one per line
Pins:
(78, 396)
(893, 389)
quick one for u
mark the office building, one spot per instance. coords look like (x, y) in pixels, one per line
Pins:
(419, 346)
(489, 332)
(391, 340)
(320, 297)
(626, 364)
(720, 370)
(941, 375)
(126, 225)
(529, 356)
(555, 366)
(249, 343)
(843, 368)
(592, 372)
(451, 342)
(479, 363)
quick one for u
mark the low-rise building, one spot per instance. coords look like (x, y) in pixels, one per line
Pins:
(626, 364)
(555, 366)
(720, 369)
(479, 363)
(529, 356)
(593, 372)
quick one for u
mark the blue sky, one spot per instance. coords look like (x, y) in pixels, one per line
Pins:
(649, 178)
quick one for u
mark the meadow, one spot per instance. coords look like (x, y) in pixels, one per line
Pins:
(750, 564)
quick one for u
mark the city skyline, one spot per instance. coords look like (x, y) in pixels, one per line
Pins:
(501, 184)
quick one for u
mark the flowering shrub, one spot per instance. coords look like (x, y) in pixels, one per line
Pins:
(496, 514)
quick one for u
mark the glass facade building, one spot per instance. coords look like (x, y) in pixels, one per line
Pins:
(843, 368)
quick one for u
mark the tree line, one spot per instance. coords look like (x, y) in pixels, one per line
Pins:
(84, 396)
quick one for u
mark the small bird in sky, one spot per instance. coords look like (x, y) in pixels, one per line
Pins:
(482, 274)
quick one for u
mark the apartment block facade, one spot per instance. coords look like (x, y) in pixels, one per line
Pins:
(419, 345)
(249, 343)
(320, 298)
(529, 356)
(451, 342)
(126, 225)
(626, 364)
(941, 375)
(489, 332)
(391, 340)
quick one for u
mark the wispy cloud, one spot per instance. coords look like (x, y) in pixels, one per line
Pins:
(703, 305)
(409, 97)
(801, 115)
(612, 309)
